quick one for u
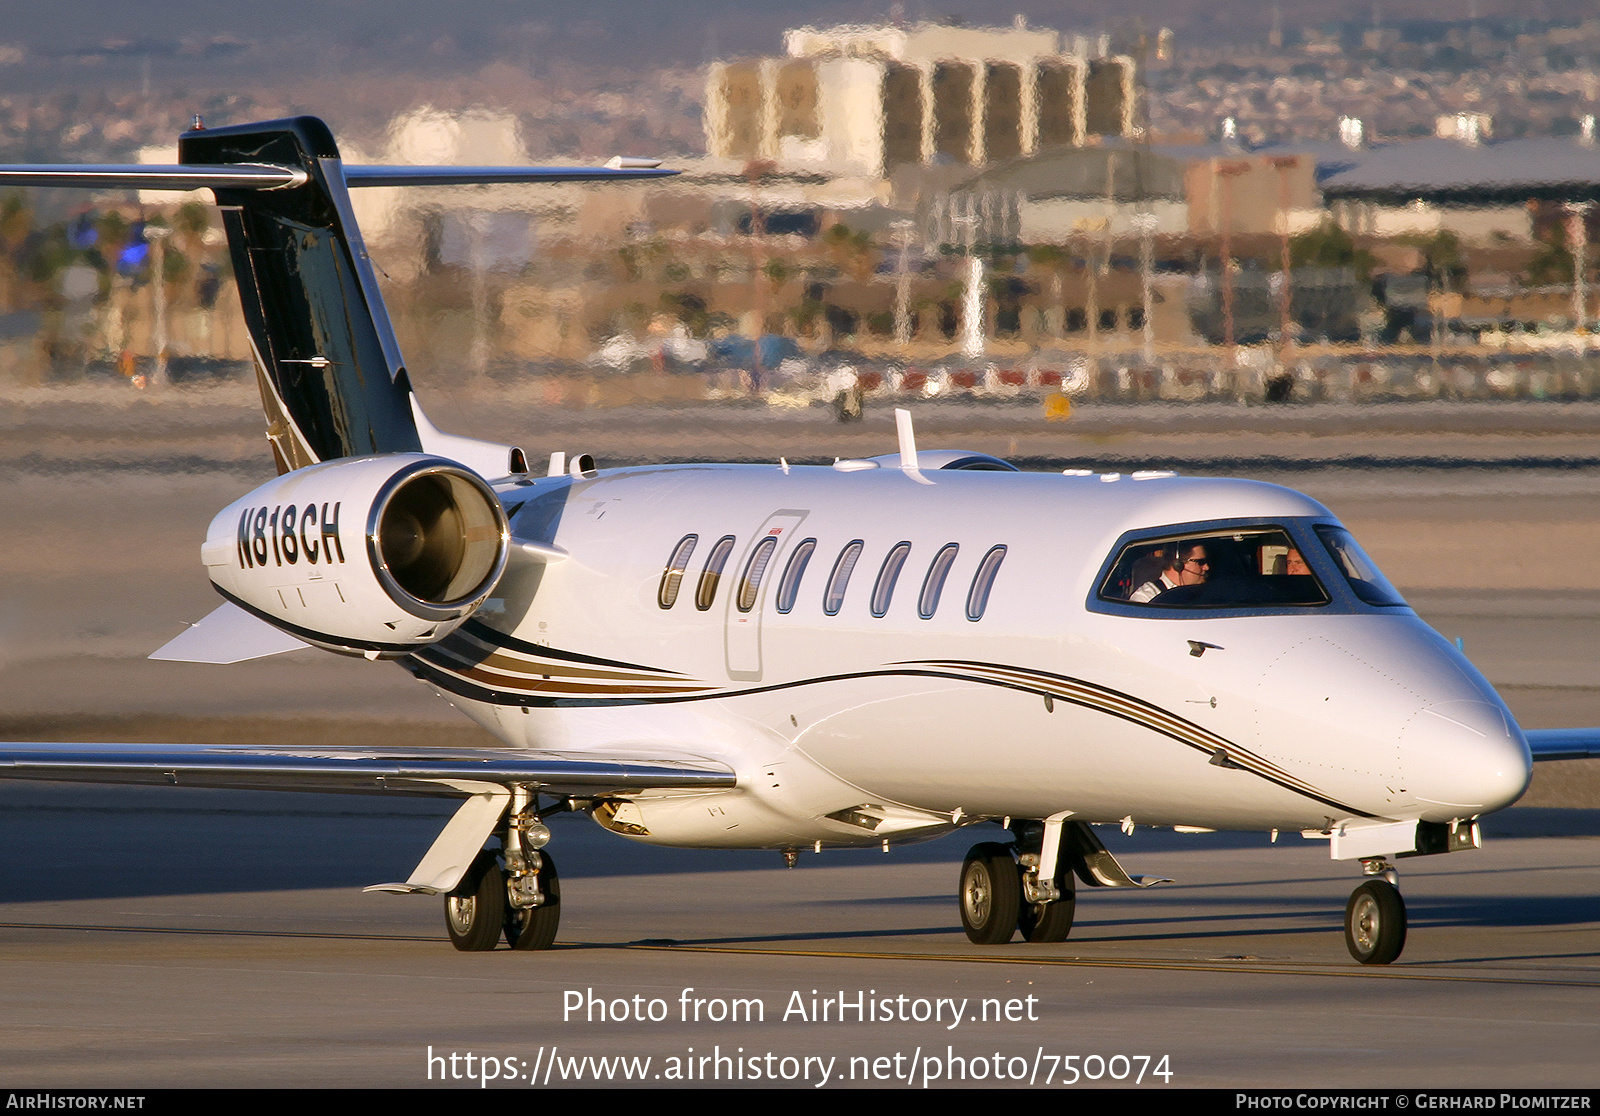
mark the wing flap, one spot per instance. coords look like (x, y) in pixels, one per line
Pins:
(1563, 744)
(430, 772)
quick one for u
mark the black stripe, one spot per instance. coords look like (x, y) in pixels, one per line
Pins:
(309, 635)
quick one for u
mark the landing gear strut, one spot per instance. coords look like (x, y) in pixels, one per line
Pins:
(535, 927)
(1047, 911)
(1375, 917)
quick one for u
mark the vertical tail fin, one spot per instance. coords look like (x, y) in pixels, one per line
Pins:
(329, 369)
(332, 380)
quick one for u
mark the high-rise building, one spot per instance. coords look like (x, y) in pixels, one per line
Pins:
(865, 100)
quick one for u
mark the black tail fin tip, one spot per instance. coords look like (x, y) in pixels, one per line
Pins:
(331, 376)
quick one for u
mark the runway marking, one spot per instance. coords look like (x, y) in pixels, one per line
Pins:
(1260, 969)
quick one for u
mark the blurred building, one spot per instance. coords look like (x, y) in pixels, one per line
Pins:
(1480, 191)
(1058, 195)
(865, 100)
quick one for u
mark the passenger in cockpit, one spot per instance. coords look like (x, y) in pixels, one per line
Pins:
(1188, 566)
(1288, 562)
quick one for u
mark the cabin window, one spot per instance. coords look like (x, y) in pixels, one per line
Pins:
(883, 589)
(983, 581)
(706, 592)
(754, 570)
(672, 576)
(1240, 567)
(789, 587)
(933, 584)
(839, 580)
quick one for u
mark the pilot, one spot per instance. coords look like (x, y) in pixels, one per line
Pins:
(1188, 566)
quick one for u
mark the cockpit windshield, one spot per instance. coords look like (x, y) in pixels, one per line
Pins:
(1246, 567)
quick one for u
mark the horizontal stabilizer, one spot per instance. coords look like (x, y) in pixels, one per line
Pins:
(493, 176)
(151, 176)
(228, 635)
(270, 176)
(1563, 744)
(434, 772)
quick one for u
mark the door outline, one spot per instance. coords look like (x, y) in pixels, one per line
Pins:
(742, 630)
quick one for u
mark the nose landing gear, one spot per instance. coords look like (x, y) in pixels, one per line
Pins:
(1375, 917)
(1002, 893)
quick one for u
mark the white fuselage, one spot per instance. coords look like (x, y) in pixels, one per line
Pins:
(1289, 719)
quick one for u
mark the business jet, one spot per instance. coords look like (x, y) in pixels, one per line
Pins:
(784, 657)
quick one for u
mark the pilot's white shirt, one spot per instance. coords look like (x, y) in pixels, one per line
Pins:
(1150, 588)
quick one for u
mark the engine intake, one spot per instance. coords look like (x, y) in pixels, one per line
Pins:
(437, 539)
(381, 554)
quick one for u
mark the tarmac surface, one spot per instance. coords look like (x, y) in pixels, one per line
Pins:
(156, 937)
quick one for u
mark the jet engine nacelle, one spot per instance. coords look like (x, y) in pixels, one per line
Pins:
(380, 554)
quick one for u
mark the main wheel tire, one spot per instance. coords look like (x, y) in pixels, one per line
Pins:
(991, 894)
(535, 927)
(1050, 922)
(475, 912)
(1375, 923)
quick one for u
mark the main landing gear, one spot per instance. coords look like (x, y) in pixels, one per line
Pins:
(1001, 892)
(1375, 917)
(512, 891)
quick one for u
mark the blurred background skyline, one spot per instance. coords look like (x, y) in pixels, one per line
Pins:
(1184, 202)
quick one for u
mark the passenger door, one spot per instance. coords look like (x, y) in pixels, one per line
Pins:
(759, 567)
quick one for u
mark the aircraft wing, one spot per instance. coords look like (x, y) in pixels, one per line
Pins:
(1563, 744)
(437, 772)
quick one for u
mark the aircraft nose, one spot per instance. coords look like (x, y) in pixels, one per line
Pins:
(1464, 757)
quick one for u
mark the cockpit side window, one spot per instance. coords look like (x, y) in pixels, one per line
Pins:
(1359, 570)
(1238, 568)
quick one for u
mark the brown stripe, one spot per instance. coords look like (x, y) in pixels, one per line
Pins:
(553, 686)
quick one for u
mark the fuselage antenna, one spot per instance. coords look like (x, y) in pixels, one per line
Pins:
(908, 439)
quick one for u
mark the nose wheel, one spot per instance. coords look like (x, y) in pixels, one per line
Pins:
(1375, 922)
